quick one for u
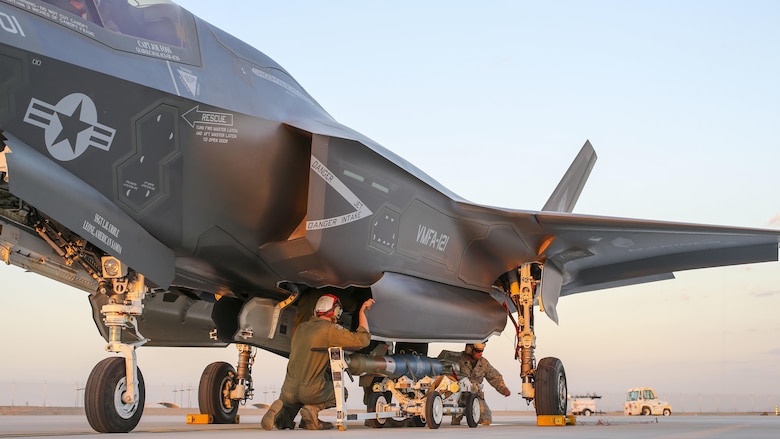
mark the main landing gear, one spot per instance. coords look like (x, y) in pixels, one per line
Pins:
(222, 388)
(543, 383)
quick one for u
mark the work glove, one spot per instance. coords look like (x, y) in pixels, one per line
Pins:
(505, 391)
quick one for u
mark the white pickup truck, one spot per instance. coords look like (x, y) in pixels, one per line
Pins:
(643, 401)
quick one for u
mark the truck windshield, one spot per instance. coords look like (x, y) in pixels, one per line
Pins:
(633, 395)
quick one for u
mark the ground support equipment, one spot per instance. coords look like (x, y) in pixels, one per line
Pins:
(427, 399)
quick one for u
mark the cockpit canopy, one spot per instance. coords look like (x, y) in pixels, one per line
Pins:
(154, 28)
(156, 20)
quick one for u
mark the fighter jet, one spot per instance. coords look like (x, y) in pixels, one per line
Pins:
(204, 198)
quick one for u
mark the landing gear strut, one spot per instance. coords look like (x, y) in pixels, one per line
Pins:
(545, 383)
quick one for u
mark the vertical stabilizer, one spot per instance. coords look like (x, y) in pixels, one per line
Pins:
(565, 196)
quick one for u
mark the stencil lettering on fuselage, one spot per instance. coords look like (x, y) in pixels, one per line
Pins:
(361, 210)
(70, 126)
(103, 230)
(211, 126)
(432, 238)
(10, 24)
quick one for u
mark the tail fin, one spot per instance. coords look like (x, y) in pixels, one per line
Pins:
(565, 196)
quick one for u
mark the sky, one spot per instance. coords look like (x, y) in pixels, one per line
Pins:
(680, 100)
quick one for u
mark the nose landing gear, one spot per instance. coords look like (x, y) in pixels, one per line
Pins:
(114, 395)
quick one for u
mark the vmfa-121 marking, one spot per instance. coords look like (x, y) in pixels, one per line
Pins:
(202, 197)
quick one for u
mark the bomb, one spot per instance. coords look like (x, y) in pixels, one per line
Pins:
(395, 366)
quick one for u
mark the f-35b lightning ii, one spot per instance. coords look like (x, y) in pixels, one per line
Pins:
(203, 198)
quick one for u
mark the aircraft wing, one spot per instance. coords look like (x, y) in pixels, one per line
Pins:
(593, 252)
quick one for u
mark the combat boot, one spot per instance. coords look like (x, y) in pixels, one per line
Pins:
(269, 419)
(310, 421)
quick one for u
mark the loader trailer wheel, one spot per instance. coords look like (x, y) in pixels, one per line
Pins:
(434, 410)
(375, 403)
(472, 411)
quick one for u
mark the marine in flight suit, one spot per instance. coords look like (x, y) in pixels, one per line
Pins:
(307, 386)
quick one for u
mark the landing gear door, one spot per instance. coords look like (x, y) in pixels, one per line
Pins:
(550, 287)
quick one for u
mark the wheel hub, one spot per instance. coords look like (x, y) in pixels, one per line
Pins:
(123, 409)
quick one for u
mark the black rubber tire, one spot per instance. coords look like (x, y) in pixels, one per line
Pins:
(434, 410)
(667, 412)
(586, 412)
(550, 387)
(646, 411)
(217, 380)
(472, 411)
(106, 413)
(375, 400)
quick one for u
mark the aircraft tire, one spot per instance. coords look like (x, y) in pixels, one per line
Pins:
(434, 410)
(103, 405)
(375, 401)
(472, 411)
(550, 387)
(217, 380)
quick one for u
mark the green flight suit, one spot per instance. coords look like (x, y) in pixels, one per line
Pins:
(306, 382)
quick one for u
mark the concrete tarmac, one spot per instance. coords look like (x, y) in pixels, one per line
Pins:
(507, 425)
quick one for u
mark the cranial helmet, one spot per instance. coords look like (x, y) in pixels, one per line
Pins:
(475, 348)
(327, 305)
(471, 347)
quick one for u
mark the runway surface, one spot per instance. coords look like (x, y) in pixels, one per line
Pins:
(602, 427)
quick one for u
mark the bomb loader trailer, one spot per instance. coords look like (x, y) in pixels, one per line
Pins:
(425, 389)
